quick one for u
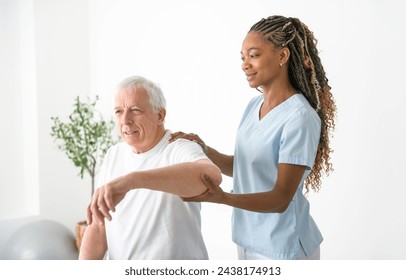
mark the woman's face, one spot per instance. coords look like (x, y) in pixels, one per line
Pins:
(260, 60)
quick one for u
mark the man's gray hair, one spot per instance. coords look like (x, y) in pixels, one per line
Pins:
(156, 96)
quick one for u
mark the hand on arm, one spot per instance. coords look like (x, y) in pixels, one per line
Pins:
(183, 179)
(277, 200)
(213, 193)
(106, 198)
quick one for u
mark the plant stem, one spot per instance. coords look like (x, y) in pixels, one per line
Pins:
(91, 195)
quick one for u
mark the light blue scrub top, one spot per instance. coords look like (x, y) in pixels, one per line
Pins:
(289, 133)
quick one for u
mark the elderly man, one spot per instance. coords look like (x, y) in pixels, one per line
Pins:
(142, 181)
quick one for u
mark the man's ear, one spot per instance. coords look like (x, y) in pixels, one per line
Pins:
(161, 115)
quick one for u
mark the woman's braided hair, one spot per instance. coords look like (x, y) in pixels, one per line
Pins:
(307, 75)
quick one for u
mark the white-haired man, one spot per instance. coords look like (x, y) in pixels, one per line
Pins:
(143, 180)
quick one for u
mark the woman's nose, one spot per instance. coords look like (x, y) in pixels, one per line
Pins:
(245, 65)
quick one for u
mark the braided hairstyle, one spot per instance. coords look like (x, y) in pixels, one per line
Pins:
(307, 75)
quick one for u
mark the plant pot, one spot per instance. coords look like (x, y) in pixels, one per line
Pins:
(80, 231)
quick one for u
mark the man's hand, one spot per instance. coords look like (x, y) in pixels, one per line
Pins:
(106, 198)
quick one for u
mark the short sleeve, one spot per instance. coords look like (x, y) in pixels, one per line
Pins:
(300, 139)
(183, 150)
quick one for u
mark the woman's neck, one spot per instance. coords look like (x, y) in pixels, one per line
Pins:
(275, 96)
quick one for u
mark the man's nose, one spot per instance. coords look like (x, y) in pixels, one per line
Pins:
(126, 118)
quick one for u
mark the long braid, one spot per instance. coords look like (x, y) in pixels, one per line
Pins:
(306, 73)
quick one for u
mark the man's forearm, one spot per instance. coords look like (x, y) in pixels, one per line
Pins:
(94, 244)
(183, 179)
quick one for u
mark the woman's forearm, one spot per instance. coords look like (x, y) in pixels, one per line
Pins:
(277, 200)
(266, 202)
(224, 162)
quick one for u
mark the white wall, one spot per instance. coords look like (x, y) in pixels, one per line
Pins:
(191, 48)
(63, 63)
(45, 64)
(10, 72)
(19, 164)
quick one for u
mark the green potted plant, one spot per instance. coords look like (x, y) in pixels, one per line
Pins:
(85, 138)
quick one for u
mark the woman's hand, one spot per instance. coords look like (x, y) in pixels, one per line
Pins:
(189, 136)
(213, 193)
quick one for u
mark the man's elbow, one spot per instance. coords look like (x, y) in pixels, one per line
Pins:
(214, 173)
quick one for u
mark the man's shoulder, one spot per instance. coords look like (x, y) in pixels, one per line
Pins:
(183, 150)
(181, 143)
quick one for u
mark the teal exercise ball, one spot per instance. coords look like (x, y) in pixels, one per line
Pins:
(41, 240)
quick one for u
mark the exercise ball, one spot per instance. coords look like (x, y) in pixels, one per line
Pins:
(41, 240)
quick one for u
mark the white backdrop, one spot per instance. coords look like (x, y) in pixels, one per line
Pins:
(191, 48)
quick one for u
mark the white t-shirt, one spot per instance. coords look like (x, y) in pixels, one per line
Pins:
(147, 224)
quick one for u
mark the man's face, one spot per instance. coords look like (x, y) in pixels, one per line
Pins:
(138, 124)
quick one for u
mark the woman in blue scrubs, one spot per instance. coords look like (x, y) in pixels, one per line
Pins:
(282, 144)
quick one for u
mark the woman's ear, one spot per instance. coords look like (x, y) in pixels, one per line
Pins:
(284, 56)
